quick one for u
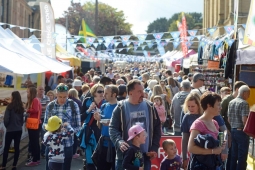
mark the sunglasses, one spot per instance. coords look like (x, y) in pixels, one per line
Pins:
(62, 89)
(100, 91)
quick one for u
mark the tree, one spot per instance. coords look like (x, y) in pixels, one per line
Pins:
(190, 22)
(110, 20)
(159, 25)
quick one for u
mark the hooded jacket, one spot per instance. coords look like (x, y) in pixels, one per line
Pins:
(176, 109)
(119, 132)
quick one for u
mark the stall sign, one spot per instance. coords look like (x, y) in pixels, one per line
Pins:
(213, 64)
(155, 163)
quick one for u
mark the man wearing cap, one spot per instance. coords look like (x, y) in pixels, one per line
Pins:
(176, 107)
(122, 92)
(69, 112)
(197, 83)
(132, 111)
(77, 84)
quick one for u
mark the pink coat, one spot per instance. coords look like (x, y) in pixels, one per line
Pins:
(161, 112)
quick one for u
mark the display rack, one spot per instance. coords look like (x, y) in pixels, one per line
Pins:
(214, 78)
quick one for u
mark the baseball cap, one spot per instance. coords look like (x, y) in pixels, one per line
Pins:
(134, 131)
(54, 123)
(122, 88)
(198, 76)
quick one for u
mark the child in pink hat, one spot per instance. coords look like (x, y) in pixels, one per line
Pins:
(133, 157)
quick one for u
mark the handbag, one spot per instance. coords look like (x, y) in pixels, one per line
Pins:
(33, 123)
(249, 128)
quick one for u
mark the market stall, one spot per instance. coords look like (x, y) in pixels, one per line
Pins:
(64, 55)
(20, 66)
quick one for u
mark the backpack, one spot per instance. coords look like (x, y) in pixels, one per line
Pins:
(51, 106)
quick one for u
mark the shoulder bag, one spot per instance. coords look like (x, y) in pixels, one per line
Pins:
(33, 123)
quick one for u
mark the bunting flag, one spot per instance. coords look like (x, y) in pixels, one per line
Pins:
(175, 34)
(192, 32)
(176, 44)
(108, 38)
(150, 44)
(125, 39)
(128, 43)
(199, 37)
(189, 44)
(95, 45)
(136, 43)
(161, 50)
(116, 44)
(71, 40)
(217, 43)
(244, 25)
(229, 29)
(113, 41)
(100, 40)
(177, 39)
(167, 40)
(190, 38)
(212, 30)
(230, 42)
(90, 40)
(163, 43)
(85, 31)
(141, 37)
(158, 36)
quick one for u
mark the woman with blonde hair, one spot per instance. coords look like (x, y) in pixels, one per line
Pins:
(157, 91)
(73, 94)
(51, 95)
(192, 110)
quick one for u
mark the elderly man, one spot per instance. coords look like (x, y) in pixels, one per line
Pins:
(132, 111)
(176, 106)
(238, 111)
(69, 112)
(197, 83)
(44, 102)
(119, 82)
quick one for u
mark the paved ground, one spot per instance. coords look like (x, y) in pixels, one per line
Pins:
(77, 164)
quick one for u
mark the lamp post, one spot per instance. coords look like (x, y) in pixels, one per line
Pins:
(96, 17)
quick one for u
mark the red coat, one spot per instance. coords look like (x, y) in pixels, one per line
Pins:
(35, 107)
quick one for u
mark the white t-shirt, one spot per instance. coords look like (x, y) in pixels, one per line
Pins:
(110, 75)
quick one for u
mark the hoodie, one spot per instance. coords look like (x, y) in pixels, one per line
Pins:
(119, 132)
(176, 109)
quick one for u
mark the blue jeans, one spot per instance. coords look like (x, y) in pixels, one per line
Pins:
(147, 164)
(239, 146)
(227, 167)
(55, 166)
(68, 152)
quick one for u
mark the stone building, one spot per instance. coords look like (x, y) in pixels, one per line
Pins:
(25, 13)
(220, 13)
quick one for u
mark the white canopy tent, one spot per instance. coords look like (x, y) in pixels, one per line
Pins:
(18, 46)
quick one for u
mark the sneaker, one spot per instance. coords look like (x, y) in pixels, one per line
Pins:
(32, 163)
(30, 159)
(75, 156)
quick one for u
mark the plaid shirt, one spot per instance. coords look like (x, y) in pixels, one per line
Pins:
(64, 112)
(237, 109)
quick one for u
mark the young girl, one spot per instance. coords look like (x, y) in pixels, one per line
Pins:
(133, 157)
(54, 140)
(158, 103)
(172, 161)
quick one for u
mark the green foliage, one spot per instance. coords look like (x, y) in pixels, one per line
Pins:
(190, 22)
(159, 25)
(110, 20)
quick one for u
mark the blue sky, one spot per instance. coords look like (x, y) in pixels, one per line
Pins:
(140, 12)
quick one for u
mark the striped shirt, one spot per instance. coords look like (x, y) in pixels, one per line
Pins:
(64, 112)
(44, 101)
(237, 109)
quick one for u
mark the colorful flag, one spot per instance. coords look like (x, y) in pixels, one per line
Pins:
(85, 31)
(229, 29)
(212, 30)
(158, 36)
(175, 34)
(192, 32)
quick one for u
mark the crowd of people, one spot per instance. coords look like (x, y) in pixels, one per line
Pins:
(118, 118)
